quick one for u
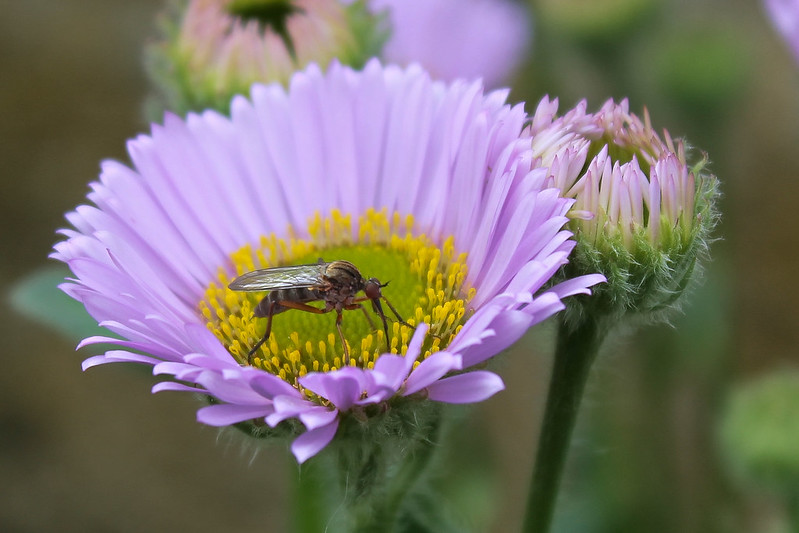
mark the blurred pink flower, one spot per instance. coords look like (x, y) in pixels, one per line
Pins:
(785, 16)
(458, 38)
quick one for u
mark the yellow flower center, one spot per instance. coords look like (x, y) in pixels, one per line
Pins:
(425, 283)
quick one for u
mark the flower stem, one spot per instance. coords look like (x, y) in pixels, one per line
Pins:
(575, 352)
(793, 512)
(310, 506)
(380, 515)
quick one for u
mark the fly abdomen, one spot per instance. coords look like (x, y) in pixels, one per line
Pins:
(270, 305)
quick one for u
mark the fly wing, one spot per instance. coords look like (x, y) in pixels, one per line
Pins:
(286, 277)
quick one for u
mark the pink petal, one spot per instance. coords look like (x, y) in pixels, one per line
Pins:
(342, 387)
(579, 285)
(510, 325)
(466, 388)
(226, 414)
(312, 441)
(430, 370)
(174, 386)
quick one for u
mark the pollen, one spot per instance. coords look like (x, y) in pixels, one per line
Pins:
(424, 280)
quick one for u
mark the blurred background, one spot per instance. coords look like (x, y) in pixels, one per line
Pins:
(96, 451)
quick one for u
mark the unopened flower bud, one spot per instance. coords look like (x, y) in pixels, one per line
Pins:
(215, 49)
(642, 215)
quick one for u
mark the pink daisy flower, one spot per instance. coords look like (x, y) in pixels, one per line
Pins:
(426, 185)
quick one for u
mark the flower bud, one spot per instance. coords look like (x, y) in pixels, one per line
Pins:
(642, 215)
(215, 49)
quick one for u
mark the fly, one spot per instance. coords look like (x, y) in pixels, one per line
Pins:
(336, 284)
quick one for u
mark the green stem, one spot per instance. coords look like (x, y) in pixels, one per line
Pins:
(793, 512)
(310, 502)
(380, 514)
(575, 352)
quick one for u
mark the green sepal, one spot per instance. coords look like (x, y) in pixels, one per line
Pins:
(379, 456)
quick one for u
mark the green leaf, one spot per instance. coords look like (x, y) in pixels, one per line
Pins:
(38, 297)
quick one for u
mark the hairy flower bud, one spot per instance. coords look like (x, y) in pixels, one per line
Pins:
(642, 215)
(214, 49)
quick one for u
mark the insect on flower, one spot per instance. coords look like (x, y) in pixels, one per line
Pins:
(293, 287)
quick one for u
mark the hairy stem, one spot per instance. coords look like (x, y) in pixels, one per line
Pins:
(576, 350)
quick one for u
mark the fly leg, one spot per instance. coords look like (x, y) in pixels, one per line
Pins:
(362, 308)
(346, 358)
(369, 319)
(269, 314)
(399, 318)
(396, 314)
(278, 307)
(316, 310)
(378, 309)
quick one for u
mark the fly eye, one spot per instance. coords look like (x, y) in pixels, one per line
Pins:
(372, 289)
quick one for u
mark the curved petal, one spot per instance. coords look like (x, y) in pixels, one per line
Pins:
(271, 386)
(342, 387)
(511, 323)
(430, 370)
(288, 407)
(174, 386)
(119, 356)
(318, 417)
(390, 371)
(312, 441)
(230, 391)
(578, 285)
(470, 387)
(226, 414)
